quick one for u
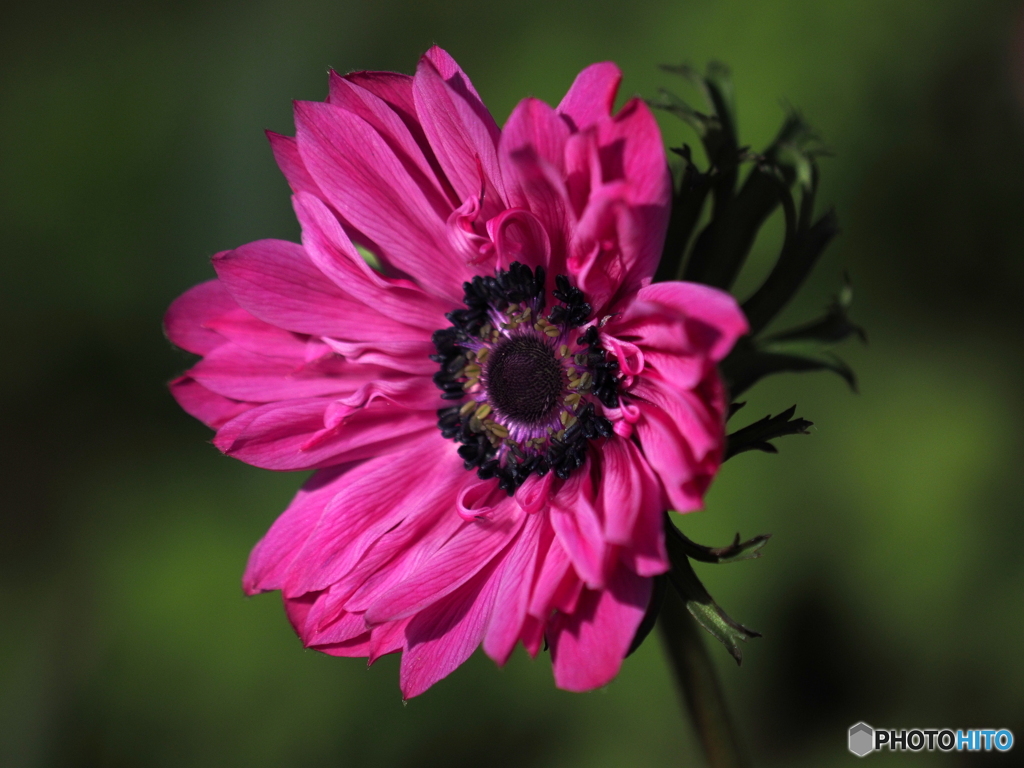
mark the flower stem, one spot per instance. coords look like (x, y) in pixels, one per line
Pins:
(698, 683)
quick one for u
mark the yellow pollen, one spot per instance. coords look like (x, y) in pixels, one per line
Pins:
(483, 411)
(498, 429)
(468, 407)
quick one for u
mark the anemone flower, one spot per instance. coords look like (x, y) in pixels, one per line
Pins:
(499, 406)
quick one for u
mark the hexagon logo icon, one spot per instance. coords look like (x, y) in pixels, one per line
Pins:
(862, 739)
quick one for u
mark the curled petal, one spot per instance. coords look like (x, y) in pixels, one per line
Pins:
(588, 645)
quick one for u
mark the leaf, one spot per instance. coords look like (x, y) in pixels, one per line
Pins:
(833, 327)
(800, 252)
(687, 203)
(758, 436)
(732, 553)
(749, 362)
(699, 603)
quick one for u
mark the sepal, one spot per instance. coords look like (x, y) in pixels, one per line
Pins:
(758, 436)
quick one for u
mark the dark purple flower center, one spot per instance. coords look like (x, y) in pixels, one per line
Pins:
(524, 382)
(524, 379)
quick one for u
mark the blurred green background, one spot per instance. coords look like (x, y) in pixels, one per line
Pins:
(892, 592)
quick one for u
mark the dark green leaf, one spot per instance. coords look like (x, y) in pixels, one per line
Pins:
(758, 436)
(687, 204)
(748, 363)
(799, 254)
(833, 327)
(734, 552)
(699, 603)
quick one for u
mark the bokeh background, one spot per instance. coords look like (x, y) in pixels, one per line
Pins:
(892, 591)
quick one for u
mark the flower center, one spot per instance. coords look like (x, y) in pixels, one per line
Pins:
(524, 379)
(529, 386)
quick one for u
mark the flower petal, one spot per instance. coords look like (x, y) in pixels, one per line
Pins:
(461, 132)
(588, 646)
(290, 435)
(273, 556)
(383, 496)
(330, 249)
(716, 317)
(277, 282)
(210, 408)
(579, 528)
(187, 319)
(515, 585)
(592, 95)
(243, 375)
(442, 637)
(363, 179)
(473, 546)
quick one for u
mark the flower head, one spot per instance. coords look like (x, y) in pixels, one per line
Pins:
(498, 414)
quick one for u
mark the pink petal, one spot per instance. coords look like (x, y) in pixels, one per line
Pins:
(290, 435)
(441, 638)
(554, 569)
(579, 528)
(515, 585)
(381, 496)
(368, 185)
(536, 126)
(392, 88)
(632, 150)
(474, 545)
(277, 282)
(633, 502)
(243, 330)
(329, 248)
(701, 426)
(461, 132)
(716, 316)
(395, 133)
(243, 375)
(210, 408)
(186, 321)
(587, 647)
(397, 354)
(286, 153)
(668, 452)
(385, 639)
(272, 557)
(592, 95)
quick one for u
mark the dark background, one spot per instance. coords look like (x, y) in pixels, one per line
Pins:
(892, 592)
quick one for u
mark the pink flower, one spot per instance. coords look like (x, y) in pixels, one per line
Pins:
(500, 415)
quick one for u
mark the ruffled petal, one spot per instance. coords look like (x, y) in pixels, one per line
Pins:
(588, 645)
(210, 408)
(381, 498)
(277, 282)
(187, 319)
(515, 585)
(244, 375)
(475, 544)
(579, 528)
(272, 557)
(461, 132)
(715, 320)
(368, 185)
(330, 249)
(441, 638)
(592, 95)
(290, 435)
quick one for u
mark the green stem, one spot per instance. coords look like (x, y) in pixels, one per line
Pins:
(698, 682)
